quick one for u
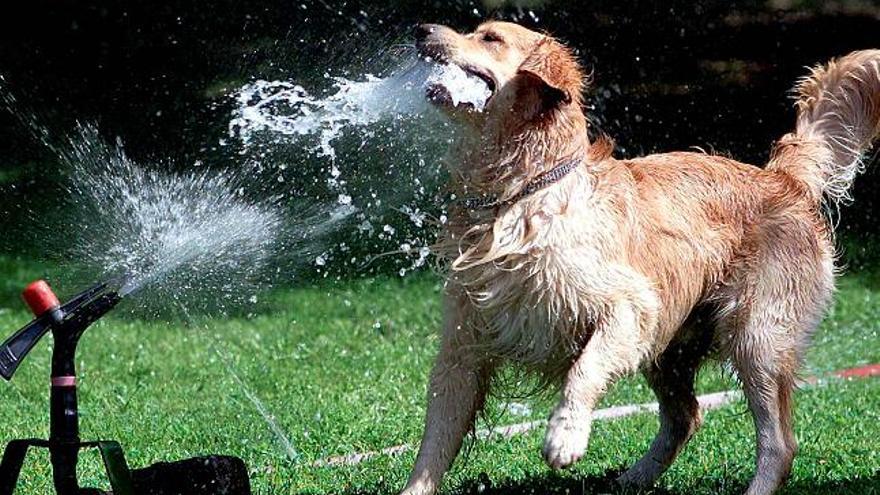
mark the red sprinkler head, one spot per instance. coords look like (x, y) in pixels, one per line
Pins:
(40, 298)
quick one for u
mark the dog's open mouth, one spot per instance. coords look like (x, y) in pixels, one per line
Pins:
(458, 86)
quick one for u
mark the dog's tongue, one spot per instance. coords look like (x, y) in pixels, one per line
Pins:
(462, 87)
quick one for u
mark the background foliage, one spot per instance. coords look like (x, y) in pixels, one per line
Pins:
(668, 75)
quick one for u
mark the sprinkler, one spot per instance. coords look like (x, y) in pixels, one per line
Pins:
(68, 322)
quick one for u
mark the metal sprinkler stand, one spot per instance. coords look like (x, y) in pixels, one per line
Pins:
(207, 475)
(67, 323)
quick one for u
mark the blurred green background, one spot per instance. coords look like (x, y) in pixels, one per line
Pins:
(668, 75)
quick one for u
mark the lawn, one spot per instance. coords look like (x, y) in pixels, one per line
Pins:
(342, 367)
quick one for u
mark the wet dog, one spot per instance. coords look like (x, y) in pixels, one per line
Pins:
(584, 268)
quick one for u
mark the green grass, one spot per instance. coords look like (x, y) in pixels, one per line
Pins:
(343, 369)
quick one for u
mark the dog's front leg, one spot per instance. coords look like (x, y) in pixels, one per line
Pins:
(615, 348)
(455, 394)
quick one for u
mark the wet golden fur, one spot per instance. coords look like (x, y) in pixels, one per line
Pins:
(627, 265)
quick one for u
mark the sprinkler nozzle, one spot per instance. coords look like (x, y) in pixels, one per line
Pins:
(73, 317)
(40, 298)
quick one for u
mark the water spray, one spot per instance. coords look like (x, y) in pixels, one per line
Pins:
(68, 322)
(165, 231)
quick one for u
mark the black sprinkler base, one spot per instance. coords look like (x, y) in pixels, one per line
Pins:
(212, 475)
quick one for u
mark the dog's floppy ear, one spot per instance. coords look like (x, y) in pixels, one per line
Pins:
(554, 70)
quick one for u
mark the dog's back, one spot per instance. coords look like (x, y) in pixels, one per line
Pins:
(696, 218)
(738, 229)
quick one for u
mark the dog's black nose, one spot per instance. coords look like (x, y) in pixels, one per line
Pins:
(422, 31)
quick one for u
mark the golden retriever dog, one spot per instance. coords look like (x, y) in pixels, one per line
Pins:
(583, 268)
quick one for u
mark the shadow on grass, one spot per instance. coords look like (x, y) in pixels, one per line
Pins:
(555, 484)
(869, 485)
(552, 484)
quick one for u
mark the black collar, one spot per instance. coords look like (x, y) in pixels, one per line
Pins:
(540, 182)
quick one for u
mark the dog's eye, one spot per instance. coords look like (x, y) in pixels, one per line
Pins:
(491, 38)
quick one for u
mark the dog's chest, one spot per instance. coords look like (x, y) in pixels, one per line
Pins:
(539, 308)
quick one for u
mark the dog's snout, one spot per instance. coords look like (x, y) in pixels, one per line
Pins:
(422, 31)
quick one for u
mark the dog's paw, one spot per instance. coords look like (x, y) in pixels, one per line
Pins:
(639, 477)
(419, 489)
(416, 491)
(566, 441)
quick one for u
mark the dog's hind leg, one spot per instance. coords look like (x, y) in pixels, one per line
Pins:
(456, 392)
(616, 348)
(672, 379)
(779, 303)
(768, 392)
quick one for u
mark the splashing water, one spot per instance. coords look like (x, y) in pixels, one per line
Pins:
(463, 88)
(391, 182)
(185, 238)
(150, 226)
(217, 235)
(207, 238)
(287, 109)
(174, 236)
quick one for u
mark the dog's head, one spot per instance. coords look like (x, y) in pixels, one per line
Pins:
(529, 74)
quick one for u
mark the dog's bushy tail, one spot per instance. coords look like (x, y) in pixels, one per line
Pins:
(838, 119)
